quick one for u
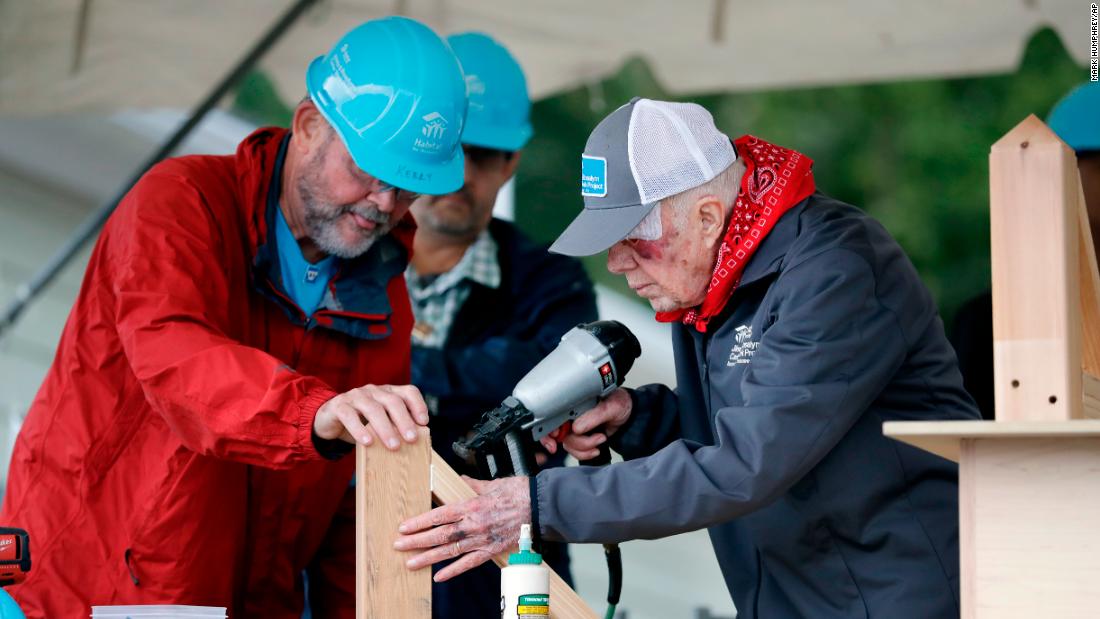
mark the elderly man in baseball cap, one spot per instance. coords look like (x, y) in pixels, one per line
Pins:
(799, 326)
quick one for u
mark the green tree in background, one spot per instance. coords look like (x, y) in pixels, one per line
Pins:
(914, 154)
(256, 99)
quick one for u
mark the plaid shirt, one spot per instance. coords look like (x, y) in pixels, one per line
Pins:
(437, 299)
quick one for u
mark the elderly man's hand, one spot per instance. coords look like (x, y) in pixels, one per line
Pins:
(592, 429)
(373, 412)
(479, 528)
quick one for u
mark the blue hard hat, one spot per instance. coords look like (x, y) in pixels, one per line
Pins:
(394, 93)
(499, 105)
(1076, 118)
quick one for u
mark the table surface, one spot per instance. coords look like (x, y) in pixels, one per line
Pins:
(943, 437)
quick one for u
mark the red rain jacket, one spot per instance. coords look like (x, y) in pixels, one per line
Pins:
(168, 456)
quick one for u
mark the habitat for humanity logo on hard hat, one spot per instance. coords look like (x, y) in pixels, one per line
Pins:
(435, 126)
(474, 85)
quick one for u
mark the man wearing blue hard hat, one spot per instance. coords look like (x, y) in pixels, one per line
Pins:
(1076, 120)
(484, 295)
(243, 322)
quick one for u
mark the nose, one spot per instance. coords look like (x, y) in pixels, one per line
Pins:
(620, 258)
(386, 201)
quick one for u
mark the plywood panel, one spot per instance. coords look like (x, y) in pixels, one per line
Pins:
(390, 487)
(1028, 529)
(1034, 219)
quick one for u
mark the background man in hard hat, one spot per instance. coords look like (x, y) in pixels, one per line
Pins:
(1076, 119)
(489, 303)
(242, 322)
(799, 326)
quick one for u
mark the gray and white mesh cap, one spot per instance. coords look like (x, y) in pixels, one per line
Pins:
(642, 153)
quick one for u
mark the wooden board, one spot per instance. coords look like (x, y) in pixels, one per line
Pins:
(967, 525)
(448, 488)
(1034, 237)
(1090, 386)
(1028, 529)
(1090, 290)
(944, 437)
(390, 487)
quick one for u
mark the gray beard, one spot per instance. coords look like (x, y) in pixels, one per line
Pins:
(322, 221)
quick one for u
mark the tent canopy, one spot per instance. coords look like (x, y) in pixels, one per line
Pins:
(84, 55)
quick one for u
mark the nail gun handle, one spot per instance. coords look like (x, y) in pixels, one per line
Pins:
(604, 457)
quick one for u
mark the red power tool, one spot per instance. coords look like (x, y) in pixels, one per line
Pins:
(15, 556)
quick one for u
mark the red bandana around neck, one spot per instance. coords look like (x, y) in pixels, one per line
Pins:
(775, 180)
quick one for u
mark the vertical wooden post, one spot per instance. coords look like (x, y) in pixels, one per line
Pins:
(390, 487)
(1034, 239)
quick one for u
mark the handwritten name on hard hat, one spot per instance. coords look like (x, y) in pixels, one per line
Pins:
(405, 172)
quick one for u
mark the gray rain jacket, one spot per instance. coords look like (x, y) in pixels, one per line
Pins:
(773, 437)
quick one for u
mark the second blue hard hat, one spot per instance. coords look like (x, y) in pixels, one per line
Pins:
(395, 94)
(1076, 118)
(499, 106)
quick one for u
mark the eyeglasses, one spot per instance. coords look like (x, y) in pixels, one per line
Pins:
(403, 195)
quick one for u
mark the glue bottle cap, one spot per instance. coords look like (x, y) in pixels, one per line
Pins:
(525, 556)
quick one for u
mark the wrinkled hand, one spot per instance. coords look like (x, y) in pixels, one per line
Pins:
(582, 440)
(373, 412)
(479, 528)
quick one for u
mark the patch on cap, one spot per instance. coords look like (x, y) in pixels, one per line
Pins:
(593, 176)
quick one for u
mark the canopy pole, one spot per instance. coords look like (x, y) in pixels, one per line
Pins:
(27, 291)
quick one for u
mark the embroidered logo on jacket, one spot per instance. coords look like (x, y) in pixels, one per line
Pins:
(745, 347)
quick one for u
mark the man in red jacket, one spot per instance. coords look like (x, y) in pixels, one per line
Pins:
(243, 320)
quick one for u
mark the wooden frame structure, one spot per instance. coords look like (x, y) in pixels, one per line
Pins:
(1029, 482)
(393, 486)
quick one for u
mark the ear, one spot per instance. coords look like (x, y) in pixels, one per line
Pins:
(710, 214)
(308, 125)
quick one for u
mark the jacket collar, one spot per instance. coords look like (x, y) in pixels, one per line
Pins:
(769, 256)
(356, 302)
(767, 261)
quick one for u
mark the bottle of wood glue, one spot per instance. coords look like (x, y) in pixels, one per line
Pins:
(525, 583)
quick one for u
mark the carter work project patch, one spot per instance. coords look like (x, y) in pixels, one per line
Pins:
(593, 176)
